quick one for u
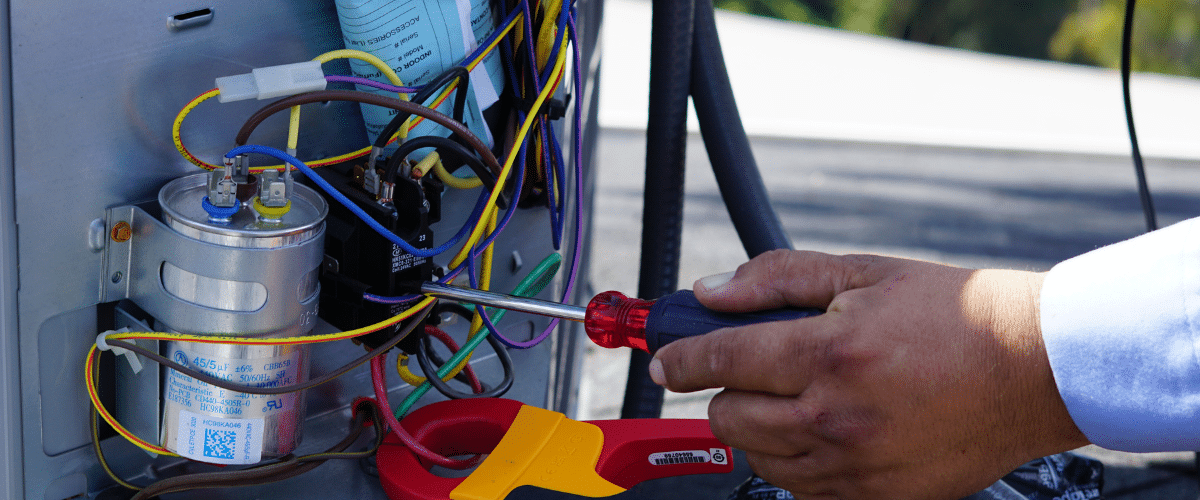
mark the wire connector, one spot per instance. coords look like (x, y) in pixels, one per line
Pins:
(222, 188)
(274, 191)
(135, 363)
(273, 81)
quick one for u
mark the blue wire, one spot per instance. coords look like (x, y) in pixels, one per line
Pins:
(560, 178)
(350, 205)
(478, 249)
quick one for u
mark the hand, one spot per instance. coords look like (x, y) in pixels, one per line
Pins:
(919, 381)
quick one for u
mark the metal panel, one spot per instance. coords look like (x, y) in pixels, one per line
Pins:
(11, 465)
(88, 93)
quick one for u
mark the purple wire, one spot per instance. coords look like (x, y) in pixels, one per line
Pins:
(371, 83)
(533, 71)
(576, 254)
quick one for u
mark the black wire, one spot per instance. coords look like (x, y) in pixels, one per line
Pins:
(460, 98)
(428, 365)
(430, 370)
(1138, 167)
(446, 147)
(225, 384)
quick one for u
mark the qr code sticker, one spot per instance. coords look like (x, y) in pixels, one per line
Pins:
(218, 440)
(219, 444)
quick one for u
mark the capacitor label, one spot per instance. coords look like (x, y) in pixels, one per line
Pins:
(219, 440)
(222, 426)
(212, 400)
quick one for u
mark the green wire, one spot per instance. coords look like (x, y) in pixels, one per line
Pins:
(531, 285)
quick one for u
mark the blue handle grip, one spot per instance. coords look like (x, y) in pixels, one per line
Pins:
(680, 315)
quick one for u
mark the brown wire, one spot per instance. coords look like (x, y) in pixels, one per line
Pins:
(291, 466)
(455, 126)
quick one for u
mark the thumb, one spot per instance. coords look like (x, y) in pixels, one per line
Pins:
(782, 278)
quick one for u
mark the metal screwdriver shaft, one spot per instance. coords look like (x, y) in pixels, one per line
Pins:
(511, 302)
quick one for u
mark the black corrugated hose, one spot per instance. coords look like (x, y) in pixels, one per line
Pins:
(725, 139)
(686, 57)
(662, 214)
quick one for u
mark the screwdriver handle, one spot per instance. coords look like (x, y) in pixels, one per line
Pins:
(679, 315)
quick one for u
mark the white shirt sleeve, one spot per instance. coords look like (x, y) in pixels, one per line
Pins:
(1121, 326)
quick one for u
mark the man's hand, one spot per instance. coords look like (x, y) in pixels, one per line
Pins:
(919, 381)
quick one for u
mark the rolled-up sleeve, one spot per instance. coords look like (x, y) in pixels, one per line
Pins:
(1120, 326)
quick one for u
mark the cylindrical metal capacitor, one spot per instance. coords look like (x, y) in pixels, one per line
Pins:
(276, 300)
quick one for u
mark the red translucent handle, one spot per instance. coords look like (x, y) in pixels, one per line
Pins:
(614, 320)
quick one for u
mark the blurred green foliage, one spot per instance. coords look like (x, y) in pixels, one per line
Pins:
(1166, 35)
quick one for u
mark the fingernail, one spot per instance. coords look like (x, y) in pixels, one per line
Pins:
(717, 280)
(656, 372)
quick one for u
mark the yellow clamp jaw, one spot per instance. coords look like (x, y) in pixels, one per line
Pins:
(544, 449)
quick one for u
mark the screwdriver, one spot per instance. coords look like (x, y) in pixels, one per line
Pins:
(614, 320)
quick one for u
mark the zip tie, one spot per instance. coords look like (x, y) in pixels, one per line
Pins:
(135, 363)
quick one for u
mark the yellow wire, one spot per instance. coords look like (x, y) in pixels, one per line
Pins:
(453, 181)
(422, 167)
(485, 282)
(372, 59)
(382, 66)
(512, 157)
(306, 339)
(485, 275)
(548, 32)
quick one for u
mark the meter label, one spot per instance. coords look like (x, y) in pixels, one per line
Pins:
(219, 440)
(683, 457)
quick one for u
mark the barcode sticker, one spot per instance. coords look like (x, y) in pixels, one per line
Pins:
(219, 440)
(680, 457)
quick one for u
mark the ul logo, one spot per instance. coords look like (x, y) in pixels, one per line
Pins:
(274, 405)
(180, 358)
(718, 455)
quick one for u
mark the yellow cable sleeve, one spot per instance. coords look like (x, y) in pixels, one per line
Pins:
(293, 128)
(422, 167)
(451, 180)
(512, 158)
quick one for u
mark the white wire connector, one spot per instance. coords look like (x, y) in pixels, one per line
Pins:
(272, 82)
(135, 363)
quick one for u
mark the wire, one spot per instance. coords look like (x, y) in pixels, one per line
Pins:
(289, 466)
(350, 205)
(427, 366)
(371, 83)
(373, 60)
(95, 429)
(1138, 166)
(227, 385)
(453, 181)
(458, 128)
(455, 76)
(447, 148)
(531, 285)
(379, 381)
(475, 58)
(502, 178)
(416, 380)
(92, 372)
(426, 164)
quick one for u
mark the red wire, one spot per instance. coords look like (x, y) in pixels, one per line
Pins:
(444, 337)
(379, 381)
